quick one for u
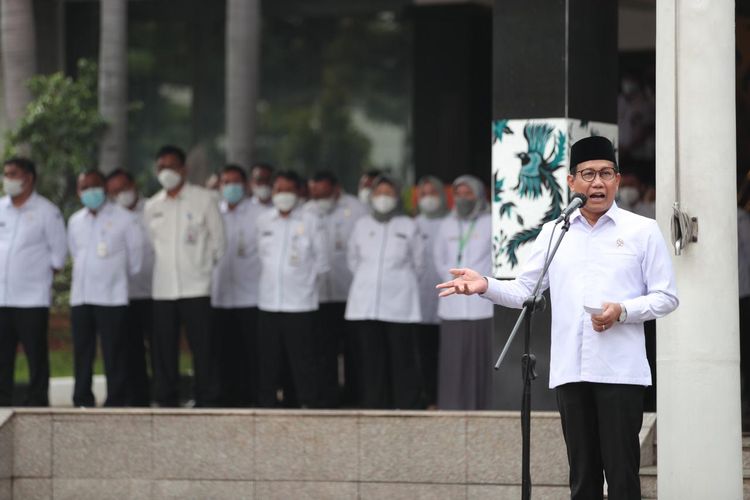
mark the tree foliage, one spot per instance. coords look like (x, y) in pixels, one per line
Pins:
(60, 130)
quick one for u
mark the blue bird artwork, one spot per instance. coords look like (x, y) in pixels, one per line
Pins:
(536, 177)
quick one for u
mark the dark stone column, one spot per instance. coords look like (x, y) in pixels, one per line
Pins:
(552, 59)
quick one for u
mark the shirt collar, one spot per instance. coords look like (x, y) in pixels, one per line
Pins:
(614, 214)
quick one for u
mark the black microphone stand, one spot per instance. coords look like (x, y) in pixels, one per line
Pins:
(535, 302)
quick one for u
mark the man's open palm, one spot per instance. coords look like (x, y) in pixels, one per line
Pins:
(465, 282)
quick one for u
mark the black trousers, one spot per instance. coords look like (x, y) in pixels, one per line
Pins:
(195, 315)
(745, 358)
(428, 343)
(330, 338)
(235, 334)
(391, 376)
(138, 336)
(287, 339)
(109, 323)
(600, 423)
(29, 326)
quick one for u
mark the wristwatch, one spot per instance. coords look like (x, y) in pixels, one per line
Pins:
(623, 314)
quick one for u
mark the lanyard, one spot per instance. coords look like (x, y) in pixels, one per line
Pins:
(463, 239)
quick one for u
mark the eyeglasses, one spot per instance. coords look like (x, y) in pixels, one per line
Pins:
(605, 174)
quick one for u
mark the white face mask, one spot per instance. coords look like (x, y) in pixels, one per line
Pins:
(169, 179)
(324, 205)
(429, 204)
(263, 192)
(12, 187)
(629, 195)
(384, 204)
(284, 202)
(126, 199)
(364, 195)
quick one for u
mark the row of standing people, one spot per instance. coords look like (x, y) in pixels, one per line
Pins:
(277, 297)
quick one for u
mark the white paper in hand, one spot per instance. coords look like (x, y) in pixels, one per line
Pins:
(594, 311)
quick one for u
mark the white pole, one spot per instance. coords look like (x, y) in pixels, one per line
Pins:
(699, 429)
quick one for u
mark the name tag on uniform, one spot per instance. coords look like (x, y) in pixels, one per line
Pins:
(401, 235)
(101, 249)
(156, 215)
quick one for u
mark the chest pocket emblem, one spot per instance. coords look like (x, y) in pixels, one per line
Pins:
(619, 243)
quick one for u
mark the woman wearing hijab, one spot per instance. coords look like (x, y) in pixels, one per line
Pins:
(465, 360)
(432, 211)
(385, 255)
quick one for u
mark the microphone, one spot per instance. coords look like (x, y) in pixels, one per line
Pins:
(578, 201)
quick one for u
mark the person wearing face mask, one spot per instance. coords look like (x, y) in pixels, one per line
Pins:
(105, 242)
(292, 255)
(629, 192)
(186, 230)
(364, 187)
(260, 184)
(32, 247)
(337, 212)
(234, 292)
(386, 245)
(432, 211)
(465, 239)
(121, 189)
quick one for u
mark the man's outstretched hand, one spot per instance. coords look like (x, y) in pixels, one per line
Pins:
(465, 282)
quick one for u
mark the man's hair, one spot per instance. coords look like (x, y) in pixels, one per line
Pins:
(171, 150)
(122, 172)
(235, 168)
(372, 173)
(289, 175)
(325, 175)
(95, 172)
(262, 165)
(24, 164)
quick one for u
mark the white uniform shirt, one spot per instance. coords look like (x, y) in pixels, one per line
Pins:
(188, 238)
(235, 282)
(386, 258)
(32, 244)
(337, 226)
(106, 248)
(140, 284)
(623, 258)
(292, 255)
(471, 241)
(428, 297)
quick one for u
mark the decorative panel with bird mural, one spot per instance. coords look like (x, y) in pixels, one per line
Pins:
(529, 181)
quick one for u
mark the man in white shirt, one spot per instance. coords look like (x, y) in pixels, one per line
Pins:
(187, 233)
(105, 242)
(260, 184)
(614, 261)
(292, 255)
(121, 189)
(234, 292)
(337, 212)
(32, 248)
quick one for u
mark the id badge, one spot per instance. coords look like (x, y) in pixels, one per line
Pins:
(191, 235)
(101, 249)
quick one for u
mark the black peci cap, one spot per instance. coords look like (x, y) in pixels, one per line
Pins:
(591, 148)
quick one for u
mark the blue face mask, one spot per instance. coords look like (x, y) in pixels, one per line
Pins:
(93, 198)
(233, 193)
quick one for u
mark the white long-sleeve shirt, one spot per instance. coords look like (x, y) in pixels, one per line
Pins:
(236, 276)
(32, 245)
(141, 283)
(107, 249)
(292, 255)
(386, 258)
(471, 242)
(187, 234)
(337, 226)
(622, 259)
(428, 297)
